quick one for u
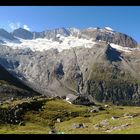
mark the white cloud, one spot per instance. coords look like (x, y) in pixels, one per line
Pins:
(15, 25)
(26, 27)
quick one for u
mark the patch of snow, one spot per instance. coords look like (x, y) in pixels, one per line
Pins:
(121, 48)
(41, 44)
(92, 28)
(58, 35)
(107, 29)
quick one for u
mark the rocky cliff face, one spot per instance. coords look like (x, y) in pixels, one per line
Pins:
(113, 83)
(109, 73)
(110, 37)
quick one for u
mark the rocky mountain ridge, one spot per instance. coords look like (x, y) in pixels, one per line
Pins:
(105, 64)
(98, 34)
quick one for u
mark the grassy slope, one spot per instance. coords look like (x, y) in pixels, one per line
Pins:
(40, 122)
(92, 121)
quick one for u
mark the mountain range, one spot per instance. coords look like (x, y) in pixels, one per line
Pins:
(97, 61)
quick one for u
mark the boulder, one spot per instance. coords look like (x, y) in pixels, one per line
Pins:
(114, 117)
(80, 125)
(58, 120)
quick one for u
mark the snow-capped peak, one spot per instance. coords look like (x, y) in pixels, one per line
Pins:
(92, 28)
(74, 31)
(108, 28)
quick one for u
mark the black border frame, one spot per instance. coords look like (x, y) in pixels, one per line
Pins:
(69, 3)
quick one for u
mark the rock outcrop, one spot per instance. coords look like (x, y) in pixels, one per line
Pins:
(15, 114)
(110, 37)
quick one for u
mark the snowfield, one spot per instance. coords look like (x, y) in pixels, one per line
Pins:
(121, 48)
(42, 44)
(63, 42)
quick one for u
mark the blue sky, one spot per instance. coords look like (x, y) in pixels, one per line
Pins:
(124, 19)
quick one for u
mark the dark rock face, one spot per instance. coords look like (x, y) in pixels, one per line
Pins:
(111, 84)
(22, 33)
(84, 100)
(118, 93)
(59, 70)
(112, 54)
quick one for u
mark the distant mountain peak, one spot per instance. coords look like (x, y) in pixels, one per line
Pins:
(109, 28)
(21, 29)
(23, 33)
